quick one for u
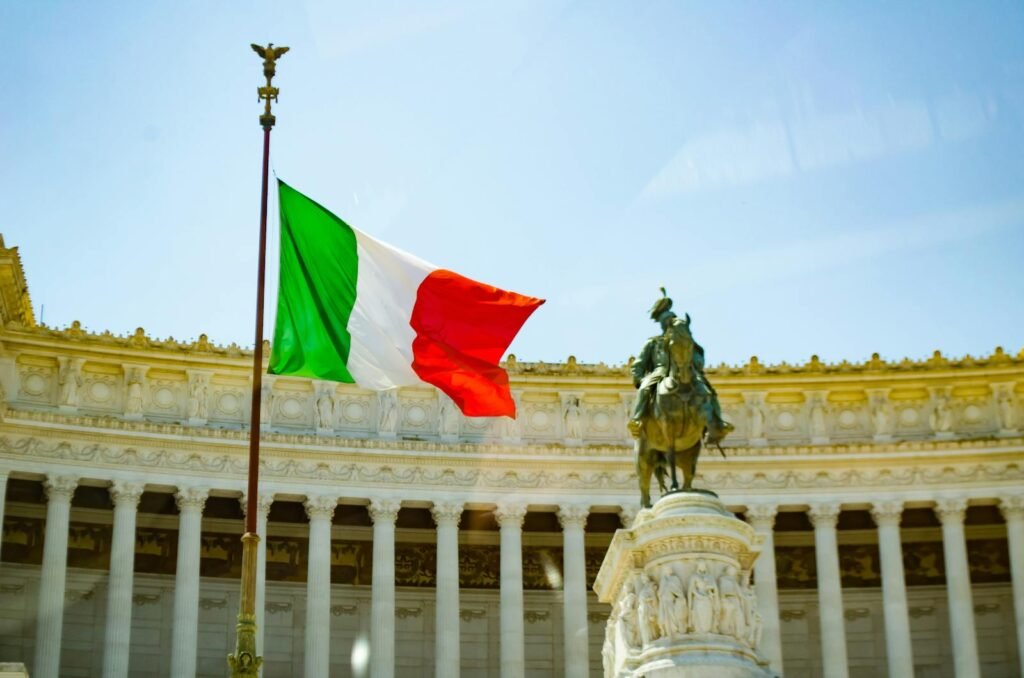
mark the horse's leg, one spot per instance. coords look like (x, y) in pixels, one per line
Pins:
(672, 468)
(643, 472)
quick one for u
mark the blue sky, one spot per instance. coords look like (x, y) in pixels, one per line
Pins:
(831, 178)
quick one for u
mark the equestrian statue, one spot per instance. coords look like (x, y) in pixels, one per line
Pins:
(677, 410)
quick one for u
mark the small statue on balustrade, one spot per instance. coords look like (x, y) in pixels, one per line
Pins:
(197, 399)
(324, 411)
(672, 613)
(573, 419)
(941, 418)
(731, 620)
(647, 610)
(1007, 410)
(387, 419)
(70, 379)
(703, 600)
(133, 393)
(755, 417)
(881, 417)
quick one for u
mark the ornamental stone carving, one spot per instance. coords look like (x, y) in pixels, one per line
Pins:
(447, 513)
(941, 418)
(384, 510)
(320, 506)
(69, 381)
(679, 585)
(263, 503)
(887, 513)
(824, 514)
(1012, 507)
(60, 487)
(951, 510)
(761, 516)
(198, 396)
(134, 391)
(448, 417)
(123, 492)
(191, 498)
(573, 515)
(387, 413)
(510, 514)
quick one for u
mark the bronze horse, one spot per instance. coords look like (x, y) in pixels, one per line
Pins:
(672, 430)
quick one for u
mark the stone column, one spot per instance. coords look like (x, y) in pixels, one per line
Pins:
(1013, 512)
(762, 518)
(574, 591)
(117, 636)
(320, 510)
(958, 587)
(513, 649)
(4, 473)
(446, 627)
(191, 501)
(899, 653)
(383, 512)
(50, 620)
(824, 517)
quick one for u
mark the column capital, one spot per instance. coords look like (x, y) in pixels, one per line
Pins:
(125, 492)
(951, 510)
(887, 513)
(1012, 507)
(627, 514)
(320, 506)
(573, 515)
(447, 512)
(761, 516)
(384, 510)
(824, 514)
(191, 498)
(510, 514)
(60, 486)
(263, 503)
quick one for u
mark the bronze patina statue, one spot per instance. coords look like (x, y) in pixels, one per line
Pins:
(677, 409)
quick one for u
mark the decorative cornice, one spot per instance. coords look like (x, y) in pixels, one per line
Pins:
(887, 513)
(447, 513)
(320, 506)
(824, 514)
(60, 487)
(384, 510)
(191, 498)
(951, 510)
(126, 493)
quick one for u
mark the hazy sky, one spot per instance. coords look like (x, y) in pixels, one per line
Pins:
(832, 178)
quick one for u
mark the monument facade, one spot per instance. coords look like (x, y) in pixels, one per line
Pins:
(885, 496)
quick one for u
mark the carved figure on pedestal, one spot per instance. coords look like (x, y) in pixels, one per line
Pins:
(941, 418)
(608, 649)
(755, 417)
(133, 393)
(70, 379)
(387, 419)
(819, 428)
(571, 416)
(510, 425)
(755, 625)
(324, 411)
(266, 403)
(447, 416)
(197, 399)
(881, 417)
(1007, 410)
(677, 409)
(732, 619)
(703, 600)
(673, 615)
(647, 610)
(628, 626)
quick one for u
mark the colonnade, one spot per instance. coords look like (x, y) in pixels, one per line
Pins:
(887, 513)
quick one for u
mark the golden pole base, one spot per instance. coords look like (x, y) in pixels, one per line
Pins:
(245, 661)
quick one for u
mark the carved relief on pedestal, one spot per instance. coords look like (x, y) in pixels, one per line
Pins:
(69, 381)
(572, 418)
(1006, 408)
(134, 390)
(941, 418)
(198, 396)
(448, 417)
(387, 413)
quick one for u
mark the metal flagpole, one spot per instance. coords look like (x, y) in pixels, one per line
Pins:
(246, 661)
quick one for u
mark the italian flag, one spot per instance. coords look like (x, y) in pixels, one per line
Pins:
(353, 309)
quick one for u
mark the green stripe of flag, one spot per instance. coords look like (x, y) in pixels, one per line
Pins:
(316, 292)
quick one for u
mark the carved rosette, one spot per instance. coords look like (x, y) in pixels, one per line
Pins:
(682, 601)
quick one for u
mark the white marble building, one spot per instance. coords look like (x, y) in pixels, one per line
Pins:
(411, 542)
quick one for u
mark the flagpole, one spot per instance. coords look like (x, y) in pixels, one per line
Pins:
(246, 661)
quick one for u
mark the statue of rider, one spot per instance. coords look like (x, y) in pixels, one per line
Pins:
(653, 365)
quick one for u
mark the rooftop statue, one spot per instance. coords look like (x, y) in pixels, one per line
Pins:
(677, 410)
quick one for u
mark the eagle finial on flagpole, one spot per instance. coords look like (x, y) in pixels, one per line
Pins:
(268, 92)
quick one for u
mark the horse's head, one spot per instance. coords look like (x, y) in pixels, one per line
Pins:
(680, 350)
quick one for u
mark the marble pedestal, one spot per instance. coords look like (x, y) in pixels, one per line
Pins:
(682, 602)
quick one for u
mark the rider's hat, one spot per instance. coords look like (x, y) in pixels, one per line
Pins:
(661, 305)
